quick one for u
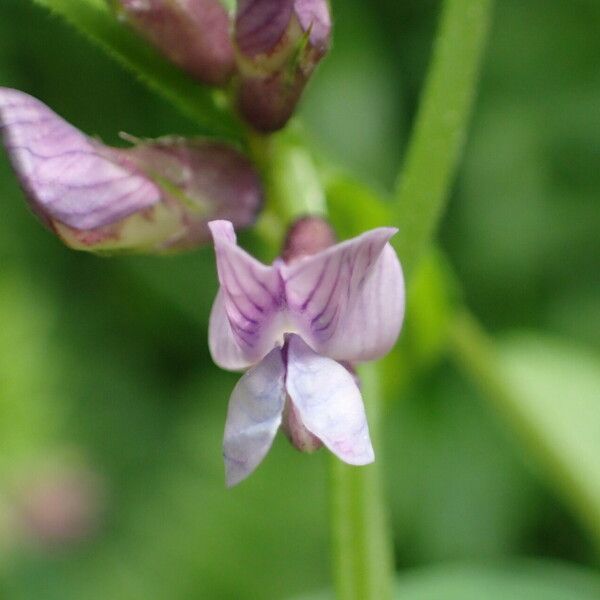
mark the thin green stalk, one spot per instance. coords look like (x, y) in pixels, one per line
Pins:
(202, 104)
(362, 544)
(292, 184)
(441, 124)
(362, 548)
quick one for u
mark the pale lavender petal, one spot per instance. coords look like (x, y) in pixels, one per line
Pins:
(329, 402)
(67, 176)
(348, 301)
(224, 349)
(254, 416)
(252, 294)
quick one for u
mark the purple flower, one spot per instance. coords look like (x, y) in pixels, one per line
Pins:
(194, 34)
(279, 43)
(156, 197)
(292, 325)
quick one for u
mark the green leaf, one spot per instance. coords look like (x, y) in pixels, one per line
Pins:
(549, 391)
(200, 103)
(558, 385)
(527, 580)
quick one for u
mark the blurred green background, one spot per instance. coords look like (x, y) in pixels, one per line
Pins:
(111, 411)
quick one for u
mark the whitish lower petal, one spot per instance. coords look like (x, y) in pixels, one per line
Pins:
(349, 299)
(67, 176)
(254, 416)
(223, 345)
(252, 294)
(329, 402)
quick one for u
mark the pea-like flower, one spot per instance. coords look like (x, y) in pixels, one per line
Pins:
(293, 325)
(154, 197)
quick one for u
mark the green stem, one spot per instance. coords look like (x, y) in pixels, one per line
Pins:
(292, 183)
(361, 537)
(202, 104)
(362, 545)
(440, 126)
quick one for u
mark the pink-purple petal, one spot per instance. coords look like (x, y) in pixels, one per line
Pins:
(67, 176)
(223, 345)
(374, 314)
(251, 294)
(261, 24)
(254, 416)
(348, 301)
(329, 402)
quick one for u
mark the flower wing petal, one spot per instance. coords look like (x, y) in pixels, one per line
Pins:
(254, 416)
(349, 299)
(251, 292)
(329, 402)
(67, 176)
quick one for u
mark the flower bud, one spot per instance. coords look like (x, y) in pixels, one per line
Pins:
(194, 34)
(279, 43)
(154, 197)
(307, 236)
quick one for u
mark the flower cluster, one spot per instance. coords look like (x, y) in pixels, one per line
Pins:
(298, 326)
(275, 47)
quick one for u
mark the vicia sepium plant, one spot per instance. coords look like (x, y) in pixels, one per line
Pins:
(154, 197)
(299, 326)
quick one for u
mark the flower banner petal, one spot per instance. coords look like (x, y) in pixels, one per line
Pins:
(252, 294)
(349, 299)
(329, 402)
(254, 416)
(224, 349)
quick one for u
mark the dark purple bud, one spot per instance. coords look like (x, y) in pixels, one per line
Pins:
(279, 44)
(307, 236)
(155, 197)
(194, 34)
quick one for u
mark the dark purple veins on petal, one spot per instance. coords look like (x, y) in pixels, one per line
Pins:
(261, 24)
(67, 176)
